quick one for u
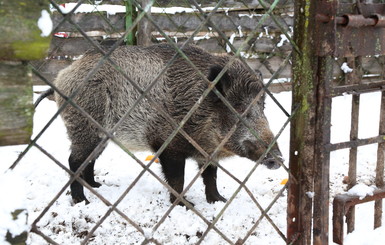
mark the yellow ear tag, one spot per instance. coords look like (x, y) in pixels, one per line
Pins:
(284, 181)
(150, 157)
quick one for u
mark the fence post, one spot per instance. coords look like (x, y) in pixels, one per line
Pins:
(380, 165)
(144, 28)
(16, 108)
(303, 124)
(130, 12)
(322, 155)
(23, 28)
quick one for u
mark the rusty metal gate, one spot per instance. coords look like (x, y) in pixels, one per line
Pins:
(328, 32)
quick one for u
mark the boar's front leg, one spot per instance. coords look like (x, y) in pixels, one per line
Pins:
(173, 166)
(209, 176)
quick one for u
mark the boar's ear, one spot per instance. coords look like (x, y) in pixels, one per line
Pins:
(224, 82)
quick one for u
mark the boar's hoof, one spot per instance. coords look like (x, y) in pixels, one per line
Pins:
(180, 203)
(184, 205)
(94, 184)
(215, 198)
(77, 200)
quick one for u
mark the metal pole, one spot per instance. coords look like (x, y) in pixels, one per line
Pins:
(380, 166)
(130, 37)
(322, 154)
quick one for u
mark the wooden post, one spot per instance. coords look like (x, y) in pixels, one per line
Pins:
(303, 124)
(144, 28)
(16, 109)
(25, 35)
(21, 40)
(380, 166)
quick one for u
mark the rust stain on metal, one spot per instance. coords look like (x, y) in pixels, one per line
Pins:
(350, 31)
(340, 30)
(359, 88)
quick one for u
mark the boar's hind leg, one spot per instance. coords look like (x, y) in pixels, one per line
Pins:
(173, 170)
(79, 154)
(88, 175)
(209, 176)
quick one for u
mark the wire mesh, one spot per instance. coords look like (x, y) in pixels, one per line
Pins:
(210, 22)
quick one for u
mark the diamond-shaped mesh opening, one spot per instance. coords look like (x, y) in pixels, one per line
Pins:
(257, 36)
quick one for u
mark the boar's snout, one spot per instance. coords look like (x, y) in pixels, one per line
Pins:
(273, 160)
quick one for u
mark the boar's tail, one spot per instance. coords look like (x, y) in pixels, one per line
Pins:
(45, 94)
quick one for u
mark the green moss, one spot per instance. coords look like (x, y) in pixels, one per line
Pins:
(20, 108)
(27, 102)
(30, 50)
(16, 103)
(20, 37)
(378, 45)
(303, 70)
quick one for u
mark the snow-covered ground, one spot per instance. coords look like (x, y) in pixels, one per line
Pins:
(148, 202)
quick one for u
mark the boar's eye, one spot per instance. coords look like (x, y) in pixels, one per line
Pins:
(239, 108)
(249, 115)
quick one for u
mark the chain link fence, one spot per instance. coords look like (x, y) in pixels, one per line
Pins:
(177, 89)
(132, 206)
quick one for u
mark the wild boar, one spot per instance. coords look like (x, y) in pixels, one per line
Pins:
(108, 95)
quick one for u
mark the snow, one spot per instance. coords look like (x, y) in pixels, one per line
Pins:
(12, 191)
(361, 190)
(147, 202)
(112, 9)
(310, 194)
(206, 36)
(366, 159)
(90, 8)
(240, 31)
(345, 68)
(365, 236)
(250, 15)
(45, 23)
(231, 40)
(283, 39)
(266, 30)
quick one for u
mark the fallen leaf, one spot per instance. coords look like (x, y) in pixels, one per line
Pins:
(150, 157)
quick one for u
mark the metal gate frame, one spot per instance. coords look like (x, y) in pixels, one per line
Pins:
(324, 30)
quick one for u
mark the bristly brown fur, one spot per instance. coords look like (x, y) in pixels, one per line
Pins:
(107, 96)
